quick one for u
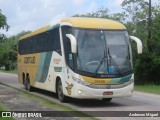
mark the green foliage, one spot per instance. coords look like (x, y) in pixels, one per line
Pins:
(118, 17)
(155, 89)
(8, 46)
(101, 13)
(3, 25)
(156, 31)
(8, 54)
(3, 108)
(147, 69)
(147, 65)
(135, 18)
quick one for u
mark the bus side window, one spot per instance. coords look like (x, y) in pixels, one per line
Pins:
(43, 42)
(53, 41)
(56, 40)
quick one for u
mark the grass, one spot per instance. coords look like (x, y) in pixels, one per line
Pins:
(155, 89)
(12, 71)
(58, 107)
(2, 108)
(53, 105)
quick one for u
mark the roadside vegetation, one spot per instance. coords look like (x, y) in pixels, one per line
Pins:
(2, 108)
(135, 18)
(11, 71)
(51, 104)
(155, 89)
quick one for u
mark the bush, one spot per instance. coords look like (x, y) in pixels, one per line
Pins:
(147, 69)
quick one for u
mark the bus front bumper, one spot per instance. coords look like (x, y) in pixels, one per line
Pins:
(84, 92)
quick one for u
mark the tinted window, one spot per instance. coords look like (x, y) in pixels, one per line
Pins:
(67, 46)
(44, 42)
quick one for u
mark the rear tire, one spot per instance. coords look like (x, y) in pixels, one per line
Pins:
(107, 99)
(61, 96)
(27, 84)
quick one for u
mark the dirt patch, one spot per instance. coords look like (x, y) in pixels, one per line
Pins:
(15, 100)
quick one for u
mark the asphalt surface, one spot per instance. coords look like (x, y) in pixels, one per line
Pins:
(138, 102)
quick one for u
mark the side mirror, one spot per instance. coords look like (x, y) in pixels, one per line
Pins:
(139, 43)
(73, 43)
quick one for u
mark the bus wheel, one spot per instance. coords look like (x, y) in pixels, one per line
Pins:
(107, 99)
(27, 84)
(61, 96)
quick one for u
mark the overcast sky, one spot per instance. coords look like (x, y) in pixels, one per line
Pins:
(33, 14)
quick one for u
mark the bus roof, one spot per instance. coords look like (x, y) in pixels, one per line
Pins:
(94, 23)
(35, 32)
(82, 22)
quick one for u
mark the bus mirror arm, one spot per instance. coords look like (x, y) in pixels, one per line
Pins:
(139, 43)
(73, 43)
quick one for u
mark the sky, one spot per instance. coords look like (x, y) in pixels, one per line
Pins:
(24, 15)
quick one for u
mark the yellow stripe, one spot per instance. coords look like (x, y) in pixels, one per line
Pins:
(96, 80)
(43, 29)
(95, 23)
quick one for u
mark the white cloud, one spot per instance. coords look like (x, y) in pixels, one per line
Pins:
(78, 2)
(50, 3)
(93, 6)
(32, 14)
(56, 18)
(118, 2)
(90, 8)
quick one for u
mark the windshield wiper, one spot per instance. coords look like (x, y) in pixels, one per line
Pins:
(110, 57)
(100, 64)
(103, 59)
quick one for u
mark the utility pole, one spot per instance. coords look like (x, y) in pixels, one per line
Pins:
(149, 27)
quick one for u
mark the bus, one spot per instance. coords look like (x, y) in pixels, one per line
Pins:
(83, 58)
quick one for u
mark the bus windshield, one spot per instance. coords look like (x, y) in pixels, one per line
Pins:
(103, 51)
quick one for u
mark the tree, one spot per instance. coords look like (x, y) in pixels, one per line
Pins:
(155, 43)
(134, 10)
(8, 56)
(3, 24)
(120, 17)
(136, 13)
(101, 13)
(147, 65)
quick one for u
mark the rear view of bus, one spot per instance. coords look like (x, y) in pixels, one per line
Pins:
(98, 57)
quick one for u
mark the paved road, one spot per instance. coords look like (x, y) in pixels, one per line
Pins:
(138, 102)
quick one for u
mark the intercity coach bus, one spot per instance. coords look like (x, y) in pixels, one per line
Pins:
(84, 58)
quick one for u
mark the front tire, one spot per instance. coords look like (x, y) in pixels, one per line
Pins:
(61, 96)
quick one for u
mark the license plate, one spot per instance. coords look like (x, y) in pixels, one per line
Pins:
(108, 93)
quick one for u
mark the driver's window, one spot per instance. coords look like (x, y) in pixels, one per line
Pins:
(69, 55)
(67, 46)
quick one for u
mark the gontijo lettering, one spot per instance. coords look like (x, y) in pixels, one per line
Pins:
(29, 60)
